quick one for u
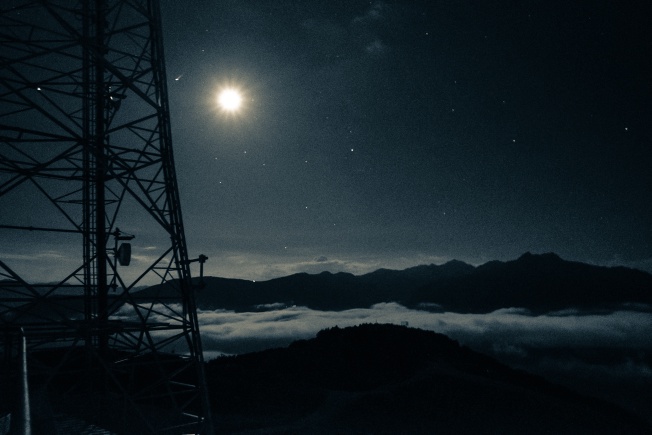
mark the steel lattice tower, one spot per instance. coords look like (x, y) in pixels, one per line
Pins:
(86, 165)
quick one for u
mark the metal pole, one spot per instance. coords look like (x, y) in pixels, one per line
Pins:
(25, 415)
(100, 174)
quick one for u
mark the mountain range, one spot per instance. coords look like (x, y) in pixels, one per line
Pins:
(540, 283)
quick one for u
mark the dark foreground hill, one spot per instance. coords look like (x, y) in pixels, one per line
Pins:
(539, 283)
(377, 379)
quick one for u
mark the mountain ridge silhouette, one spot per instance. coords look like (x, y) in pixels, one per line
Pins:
(538, 282)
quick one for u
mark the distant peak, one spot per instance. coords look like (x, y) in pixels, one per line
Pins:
(546, 256)
(455, 263)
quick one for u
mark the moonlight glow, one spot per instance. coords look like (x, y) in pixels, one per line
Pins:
(229, 100)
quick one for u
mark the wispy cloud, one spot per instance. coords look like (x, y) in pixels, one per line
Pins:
(39, 255)
(42, 265)
(375, 12)
(359, 33)
(375, 47)
(366, 26)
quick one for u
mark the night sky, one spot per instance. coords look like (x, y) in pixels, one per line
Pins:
(396, 133)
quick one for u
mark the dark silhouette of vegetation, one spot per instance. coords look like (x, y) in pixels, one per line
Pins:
(392, 379)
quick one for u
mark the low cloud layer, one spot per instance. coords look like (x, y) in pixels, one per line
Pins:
(506, 330)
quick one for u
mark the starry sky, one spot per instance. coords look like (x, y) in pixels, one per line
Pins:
(396, 133)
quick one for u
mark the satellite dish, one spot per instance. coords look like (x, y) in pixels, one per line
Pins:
(124, 254)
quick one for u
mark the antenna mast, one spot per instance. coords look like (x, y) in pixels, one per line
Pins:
(85, 148)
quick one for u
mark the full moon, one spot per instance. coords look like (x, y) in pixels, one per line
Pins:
(230, 100)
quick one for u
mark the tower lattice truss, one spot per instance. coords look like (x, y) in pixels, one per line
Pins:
(93, 261)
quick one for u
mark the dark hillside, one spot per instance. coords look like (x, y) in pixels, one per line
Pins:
(392, 379)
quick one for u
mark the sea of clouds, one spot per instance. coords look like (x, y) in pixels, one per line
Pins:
(510, 330)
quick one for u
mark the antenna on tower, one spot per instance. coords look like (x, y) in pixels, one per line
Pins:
(109, 316)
